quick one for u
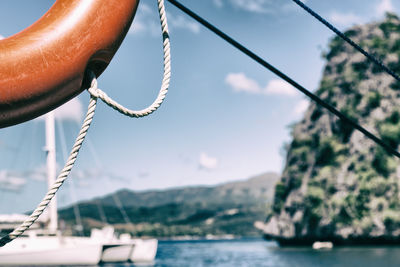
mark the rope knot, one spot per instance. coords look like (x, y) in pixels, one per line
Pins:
(93, 89)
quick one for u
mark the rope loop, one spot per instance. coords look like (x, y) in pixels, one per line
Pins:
(165, 81)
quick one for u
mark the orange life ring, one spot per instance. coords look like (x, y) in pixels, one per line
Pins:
(44, 65)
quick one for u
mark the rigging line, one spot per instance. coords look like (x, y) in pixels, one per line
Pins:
(100, 209)
(347, 39)
(19, 147)
(114, 196)
(102, 214)
(277, 72)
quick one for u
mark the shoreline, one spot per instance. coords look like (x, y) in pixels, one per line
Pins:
(213, 238)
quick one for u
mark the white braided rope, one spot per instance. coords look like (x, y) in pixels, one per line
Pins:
(166, 76)
(97, 93)
(63, 174)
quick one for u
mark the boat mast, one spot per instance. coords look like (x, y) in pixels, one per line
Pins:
(51, 168)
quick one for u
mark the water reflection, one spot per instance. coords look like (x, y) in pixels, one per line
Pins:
(257, 252)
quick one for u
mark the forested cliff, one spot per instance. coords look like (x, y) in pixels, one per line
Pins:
(338, 185)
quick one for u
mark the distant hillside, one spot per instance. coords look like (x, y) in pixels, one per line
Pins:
(249, 191)
(230, 208)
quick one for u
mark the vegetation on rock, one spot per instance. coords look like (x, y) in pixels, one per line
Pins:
(337, 185)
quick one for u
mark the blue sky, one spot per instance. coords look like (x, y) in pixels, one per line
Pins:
(225, 117)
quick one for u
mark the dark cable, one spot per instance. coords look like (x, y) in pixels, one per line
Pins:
(347, 39)
(258, 59)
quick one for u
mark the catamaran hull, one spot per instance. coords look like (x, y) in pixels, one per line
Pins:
(134, 250)
(116, 252)
(145, 250)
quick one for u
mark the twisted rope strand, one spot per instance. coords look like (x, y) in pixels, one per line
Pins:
(165, 81)
(63, 174)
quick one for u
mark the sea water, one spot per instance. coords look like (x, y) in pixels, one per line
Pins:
(258, 252)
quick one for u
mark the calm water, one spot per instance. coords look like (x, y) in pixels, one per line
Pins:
(257, 252)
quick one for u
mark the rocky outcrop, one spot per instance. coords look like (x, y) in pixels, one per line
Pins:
(337, 185)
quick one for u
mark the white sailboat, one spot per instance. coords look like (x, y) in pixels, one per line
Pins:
(48, 247)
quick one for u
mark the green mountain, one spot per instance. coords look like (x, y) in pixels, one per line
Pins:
(337, 185)
(230, 208)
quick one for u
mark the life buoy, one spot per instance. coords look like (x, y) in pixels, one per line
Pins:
(44, 65)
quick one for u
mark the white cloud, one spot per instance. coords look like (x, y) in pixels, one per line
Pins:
(145, 8)
(180, 22)
(11, 182)
(143, 174)
(280, 87)
(259, 6)
(207, 162)
(92, 173)
(1, 37)
(144, 21)
(301, 107)
(70, 111)
(343, 19)
(240, 82)
(38, 174)
(384, 6)
(218, 3)
(256, 6)
(147, 21)
(137, 27)
(96, 173)
(84, 183)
